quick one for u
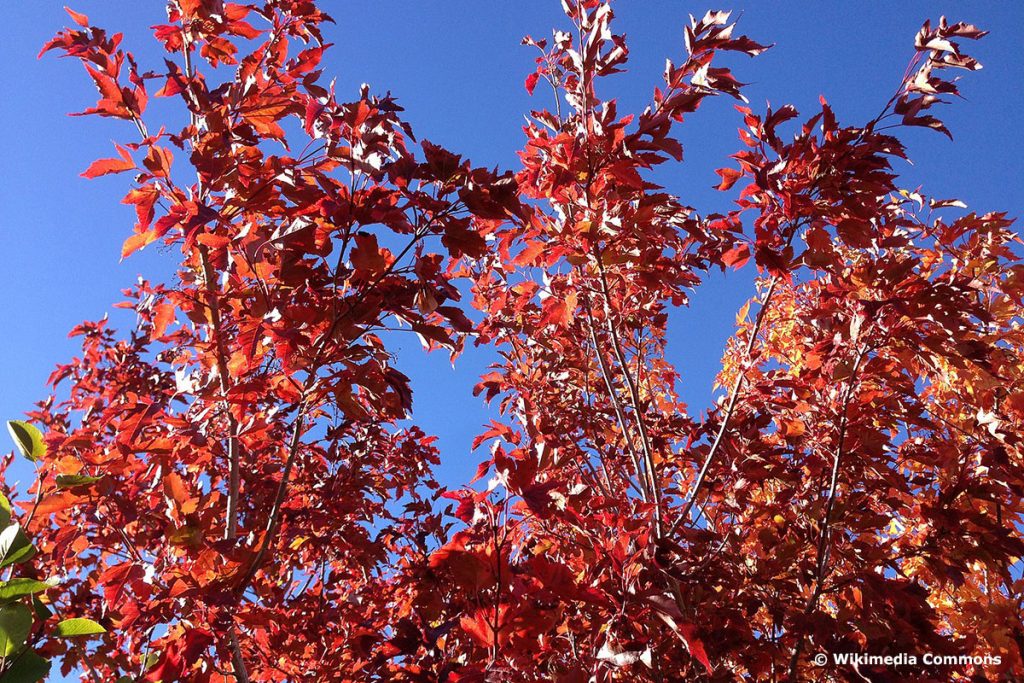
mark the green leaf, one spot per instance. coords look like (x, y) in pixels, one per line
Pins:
(16, 588)
(28, 439)
(14, 546)
(15, 624)
(5, 511)
(70, 481)
(28, 667)
(70, 628)
(42, 611)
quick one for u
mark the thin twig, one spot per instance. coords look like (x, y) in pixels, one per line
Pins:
(613, 396)
(730, 409)
(273, 521)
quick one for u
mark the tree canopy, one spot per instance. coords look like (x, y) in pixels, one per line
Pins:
(234, 488)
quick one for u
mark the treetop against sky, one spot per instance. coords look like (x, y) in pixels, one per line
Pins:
(725, 359)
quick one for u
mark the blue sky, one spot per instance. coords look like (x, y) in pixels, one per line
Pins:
(457, 67)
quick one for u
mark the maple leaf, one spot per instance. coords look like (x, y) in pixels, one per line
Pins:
(102, 167)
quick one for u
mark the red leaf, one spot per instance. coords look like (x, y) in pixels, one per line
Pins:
(531, 82)
(114, 579)
(729, 177)
(538, 498)
(466, 568)
(456, 317)
(79, 18)
(144, 198)
(668, 612)
(367, 256)
(559, 311)
(694, 645)
(737, 257)
(479, 628)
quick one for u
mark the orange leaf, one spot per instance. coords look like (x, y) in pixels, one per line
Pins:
(162, 317)
(213, 241)
(793, 428)
(102, 167)
(729, 177)
(559, 311)
(530, 252)
(263, 115)
(175, 489)
(158, 161)
(136, 242)
(56, 502)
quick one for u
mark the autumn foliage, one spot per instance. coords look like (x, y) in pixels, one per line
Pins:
(246, 504)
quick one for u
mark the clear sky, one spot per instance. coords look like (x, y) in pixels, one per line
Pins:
(458, 68)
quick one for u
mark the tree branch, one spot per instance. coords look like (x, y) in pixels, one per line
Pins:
(237, 662)
(613, 396)
(730, 409)
(823, 537)
(634, 397)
